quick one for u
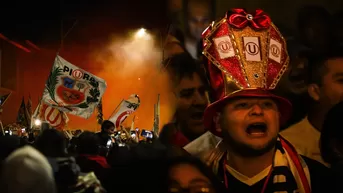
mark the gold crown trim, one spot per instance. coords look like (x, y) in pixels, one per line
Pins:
(232, 37)
(285, 64)
(213, 60)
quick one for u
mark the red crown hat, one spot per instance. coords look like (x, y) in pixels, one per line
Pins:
(247, 56)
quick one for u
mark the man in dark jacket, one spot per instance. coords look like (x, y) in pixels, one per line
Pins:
(107, 129)
(88, 155)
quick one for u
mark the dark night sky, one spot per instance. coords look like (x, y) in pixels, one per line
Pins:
(41, 20)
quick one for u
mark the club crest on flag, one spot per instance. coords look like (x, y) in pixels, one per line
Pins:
(73, 90)
(53, 116)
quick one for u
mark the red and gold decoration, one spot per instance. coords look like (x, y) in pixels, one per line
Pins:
(247, 56)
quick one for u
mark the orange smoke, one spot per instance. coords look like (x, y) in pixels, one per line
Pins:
(131, 65)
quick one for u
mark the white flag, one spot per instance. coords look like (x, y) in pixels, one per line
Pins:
(275, 50)
(126, 108)
(72, 89)
(252, 49)
(224, 47)
(206, 142)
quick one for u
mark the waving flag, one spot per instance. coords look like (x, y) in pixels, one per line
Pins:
(21, 117)
(72, 89)
(126, 108)
(29, 110)
(56, 118)
(4, 98)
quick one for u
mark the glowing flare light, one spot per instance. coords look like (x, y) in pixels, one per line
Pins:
(38, 122)
(141, 33)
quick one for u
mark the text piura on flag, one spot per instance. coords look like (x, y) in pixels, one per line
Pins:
(72, 89)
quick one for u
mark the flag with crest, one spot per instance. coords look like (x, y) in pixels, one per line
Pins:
(125, 109)
(72, 89)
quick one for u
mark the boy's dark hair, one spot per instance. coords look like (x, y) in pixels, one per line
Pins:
(317, 63)
(177, 33)
(195, 162)
(88, 143)
(106, 124)
(212, 7)
(51, 143)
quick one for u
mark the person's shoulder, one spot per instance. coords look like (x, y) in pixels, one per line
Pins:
(295, 133)
(315, 165)
(320, 175)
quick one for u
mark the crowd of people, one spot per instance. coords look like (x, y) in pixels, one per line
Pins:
(252, 115)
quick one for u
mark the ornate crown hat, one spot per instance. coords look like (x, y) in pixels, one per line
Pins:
(247, 56)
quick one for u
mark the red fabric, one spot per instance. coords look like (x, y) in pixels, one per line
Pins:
(179, 139)
(295, 158)
(97, 158)
(239, 19)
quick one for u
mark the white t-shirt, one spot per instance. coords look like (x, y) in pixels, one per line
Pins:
(245, 179)
(305, 138)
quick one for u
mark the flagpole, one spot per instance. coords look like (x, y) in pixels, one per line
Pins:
(116, 109)
(61, 11)
(1, 109)
(158, 115)
(133, 123)
(36, 113)
(2, 128)
(63, 36)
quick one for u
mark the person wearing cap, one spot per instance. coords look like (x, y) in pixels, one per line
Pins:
(247, 56)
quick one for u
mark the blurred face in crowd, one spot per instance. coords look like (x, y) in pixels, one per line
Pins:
(198, 18)
(192, 99)
(295, 79)
(249, 125)
(316, 32)
(110, 130)
(174, 5)
(187, 178)
(330, 92)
